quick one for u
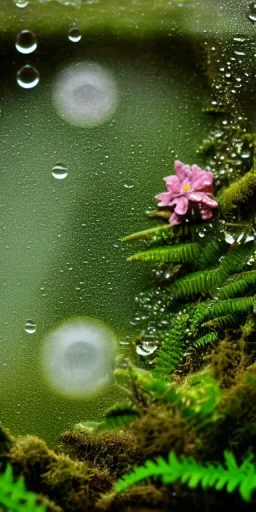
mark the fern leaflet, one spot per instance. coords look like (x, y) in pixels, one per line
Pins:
(194, 283)
(15, 497)
(191, 472)
(222, 308)
(170, 353)
(237, 284)
(211, 337)
(182, 253)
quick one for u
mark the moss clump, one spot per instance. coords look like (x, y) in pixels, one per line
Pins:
(239, 197)
(140, 498)
(74, 485)
(162, 429)
(31, 457)
(228, 361)
(115, 451)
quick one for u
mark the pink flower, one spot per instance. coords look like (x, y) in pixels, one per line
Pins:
(190, 187)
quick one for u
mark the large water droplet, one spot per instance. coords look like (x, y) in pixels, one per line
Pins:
(74, 35)
(78, 357)
(26, 42)
(59, 171)
(28, 77)
(85, 94)
(252, 12)
(30, 327)
(146, 348)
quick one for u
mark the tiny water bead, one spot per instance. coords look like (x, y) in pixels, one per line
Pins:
(74, 35)
(28, 77)
(26, 42)
(78, 357)
(30, 327)
(59, 171)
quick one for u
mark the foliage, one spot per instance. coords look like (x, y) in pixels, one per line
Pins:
(14, 496)
(220, 275)
(189, 471)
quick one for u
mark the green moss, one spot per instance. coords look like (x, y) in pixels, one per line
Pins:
(162, 429)
(114, 451)
(239, 197)
(74, 485)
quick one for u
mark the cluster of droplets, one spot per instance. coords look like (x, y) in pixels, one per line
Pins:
(26, 43)
(235, 233)
(229, 147)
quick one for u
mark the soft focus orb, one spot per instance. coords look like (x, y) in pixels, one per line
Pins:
(85, 94)
(78, 357)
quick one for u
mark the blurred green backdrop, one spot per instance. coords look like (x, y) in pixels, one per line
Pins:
(60, 251)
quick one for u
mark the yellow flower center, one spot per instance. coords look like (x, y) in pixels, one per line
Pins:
(186, 188)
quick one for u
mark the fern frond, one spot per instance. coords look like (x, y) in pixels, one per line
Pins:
(191, 472)
(222, 322)
(210, 254)
(211, 337)
(148, 233)
(119, 415)
(195, 283)
(237, 284)
(15, 497)
(199, 398)
(235, 261)
(182, 253)
(170, 353)
(222, 308)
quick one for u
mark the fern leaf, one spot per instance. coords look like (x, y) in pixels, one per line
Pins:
(182, 253)
(222, 308)
(15, 497)
(204, 340)
(118, 416)
(237, 284)
(222, 322)
(195, 283)
(148, 233)
(210, 254)
(170, 353)
(235, 261)
(191, 472)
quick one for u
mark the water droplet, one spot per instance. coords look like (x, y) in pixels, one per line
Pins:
(126, 185)
(21, 3)
(74, 35)
(26, 42)
(59, 171)
(30, 327)
(228, 238)
(27, 77)
(78, 357)
(146, 348)
(85, 94)
(252, 12)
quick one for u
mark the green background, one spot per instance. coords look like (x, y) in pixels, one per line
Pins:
(61, 255)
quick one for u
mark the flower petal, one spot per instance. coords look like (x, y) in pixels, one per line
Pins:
(172, 184)
(164, 198)
(181, 206)
(205, 212)
(175, 219)
(201, 197)
(182, 170)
